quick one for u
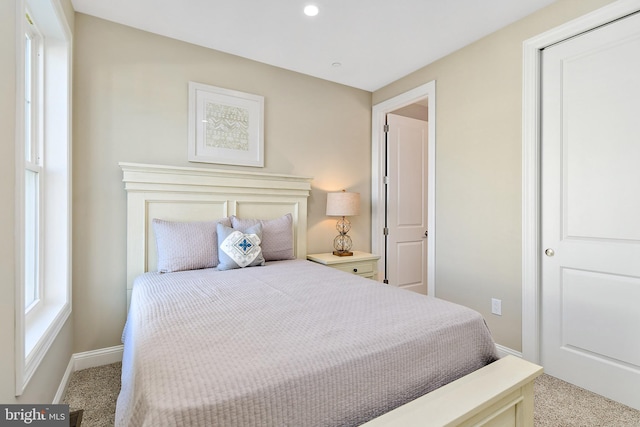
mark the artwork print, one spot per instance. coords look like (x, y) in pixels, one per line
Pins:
(225, 126)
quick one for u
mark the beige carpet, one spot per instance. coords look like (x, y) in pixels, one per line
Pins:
(557, 403)
(95, 390)
(560, 404)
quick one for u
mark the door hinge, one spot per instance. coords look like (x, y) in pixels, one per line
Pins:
(385, 180)
(385, 231)
(385, 128)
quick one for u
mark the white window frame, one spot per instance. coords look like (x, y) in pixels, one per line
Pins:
(38, 325)
(33, 161)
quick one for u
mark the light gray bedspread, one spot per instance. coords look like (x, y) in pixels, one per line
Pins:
(292, 343)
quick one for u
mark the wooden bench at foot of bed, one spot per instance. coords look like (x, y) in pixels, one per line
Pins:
(500, 394)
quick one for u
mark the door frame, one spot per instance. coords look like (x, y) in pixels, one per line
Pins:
(531, 167)
(379, 112)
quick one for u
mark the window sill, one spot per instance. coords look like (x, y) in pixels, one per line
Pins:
(41, 329)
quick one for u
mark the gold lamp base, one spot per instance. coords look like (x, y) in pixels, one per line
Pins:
(343, 253)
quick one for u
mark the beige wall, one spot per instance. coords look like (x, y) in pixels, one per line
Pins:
(45, 382)
(478, 172)
(130, 103)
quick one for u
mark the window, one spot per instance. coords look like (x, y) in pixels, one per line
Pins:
(43, 181)
(32, 162)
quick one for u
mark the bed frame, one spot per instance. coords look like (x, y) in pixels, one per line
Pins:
(196, 194)
(500, 394)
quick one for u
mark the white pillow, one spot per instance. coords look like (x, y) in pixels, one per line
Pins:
(277, 235)
(186, 245)
(238, 249)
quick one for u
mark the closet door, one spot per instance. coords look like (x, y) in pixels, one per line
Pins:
(591, 210)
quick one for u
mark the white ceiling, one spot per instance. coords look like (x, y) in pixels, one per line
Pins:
(375, 41)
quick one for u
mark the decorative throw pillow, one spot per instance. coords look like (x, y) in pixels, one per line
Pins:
(238, 249)
(186, 245)
(277, 235)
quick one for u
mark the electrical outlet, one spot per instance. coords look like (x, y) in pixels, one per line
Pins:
(496, 306)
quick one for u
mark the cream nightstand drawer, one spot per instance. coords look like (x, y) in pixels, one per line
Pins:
(360, 268)
(361, 263)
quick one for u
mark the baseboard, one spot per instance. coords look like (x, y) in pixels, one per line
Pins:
(62, 388)
(505, 351)
(85, 360)
(100, 357)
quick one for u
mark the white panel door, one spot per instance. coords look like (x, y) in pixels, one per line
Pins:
(591, 210)
(407, 209)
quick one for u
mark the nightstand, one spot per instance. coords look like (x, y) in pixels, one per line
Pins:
(361, 263)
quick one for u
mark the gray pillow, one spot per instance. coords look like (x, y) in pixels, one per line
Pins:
(186, 245)
(277, 235)
(237, 249)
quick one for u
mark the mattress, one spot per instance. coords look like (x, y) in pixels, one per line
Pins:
(291, 343)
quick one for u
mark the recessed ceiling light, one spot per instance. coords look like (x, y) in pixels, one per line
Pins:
(311, 10)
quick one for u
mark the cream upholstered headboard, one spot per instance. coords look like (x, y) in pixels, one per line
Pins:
(198, 194)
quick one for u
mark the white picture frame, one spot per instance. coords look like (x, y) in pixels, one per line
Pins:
(225, 126)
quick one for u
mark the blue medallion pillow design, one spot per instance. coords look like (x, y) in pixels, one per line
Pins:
(237, 249)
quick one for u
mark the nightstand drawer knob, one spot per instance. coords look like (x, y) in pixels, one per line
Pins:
(355, 270)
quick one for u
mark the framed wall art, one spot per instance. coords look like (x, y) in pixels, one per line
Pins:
(225, 126)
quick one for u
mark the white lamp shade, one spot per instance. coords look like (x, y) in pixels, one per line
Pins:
(343, 204)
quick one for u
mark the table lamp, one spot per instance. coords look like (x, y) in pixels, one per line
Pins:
(343, 204)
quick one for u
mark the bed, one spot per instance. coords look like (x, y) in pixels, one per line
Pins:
(291, 342)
